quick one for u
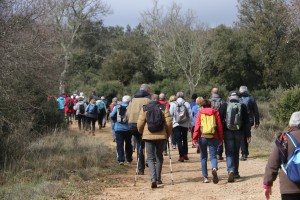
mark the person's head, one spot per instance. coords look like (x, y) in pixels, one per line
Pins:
(126, 99)
(214, 91)
(145, 87)
(194, 96)
(162, 96)
(200, 101)
(115, 100)
(172, 98)
(80, 98)
(206, 104)
(155, 97)
(92, 101)
(243, 89)
(295, 120)
(179, 95)
(233, 96)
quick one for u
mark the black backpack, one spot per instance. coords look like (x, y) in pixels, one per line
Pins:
(154, 118)
(122, 114)
(70, 104)
(81, 109)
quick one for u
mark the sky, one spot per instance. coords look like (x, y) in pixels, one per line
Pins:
(210, 12)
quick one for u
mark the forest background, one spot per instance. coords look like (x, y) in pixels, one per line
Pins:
(49, 47)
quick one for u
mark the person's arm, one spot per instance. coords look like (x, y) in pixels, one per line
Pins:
(256, 113)
(168, 122)
(141, 121)
(114, 112)
(219, 126)
(196, 133)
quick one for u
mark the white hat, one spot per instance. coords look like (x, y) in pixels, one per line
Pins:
(233, 95)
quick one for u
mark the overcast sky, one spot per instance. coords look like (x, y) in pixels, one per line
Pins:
(210, 12)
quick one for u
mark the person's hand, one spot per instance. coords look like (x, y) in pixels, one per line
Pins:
(268, 193)
(248, 140)
(256, 126)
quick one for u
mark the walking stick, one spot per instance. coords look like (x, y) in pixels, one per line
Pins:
(171, 171)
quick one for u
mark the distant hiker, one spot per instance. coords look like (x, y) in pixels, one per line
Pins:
(249, 101)
(69, 104)
(166, 104)
(182, 121)
(91, 114)
(155, 125)
(216, 103)
(208, 133)
(173, 137)
(60, 103)
(93, 95)
(142, 97)
(104, 100)
(235, 120)
(113, 120)
(101, 112)
(193, 100)
(199, 105)
(123, 135)
(282, 151)
(80, 108)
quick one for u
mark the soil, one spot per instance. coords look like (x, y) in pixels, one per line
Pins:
(187, 180)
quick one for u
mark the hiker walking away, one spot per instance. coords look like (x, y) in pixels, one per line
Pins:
(91, 114)
(93, 95)
(173, 137)
(193, 100)
(165, 103)
(60, 103)
(284, 148)
(121, 128)
(113, 120)
(80, 108)
(104, 100)
(199, 105)
(69, 104)
(249, 101)
(155, 125)
(216, 103)
(182, 122)
(235, 120)
(208, 133)
(101, 112)
(142, 97)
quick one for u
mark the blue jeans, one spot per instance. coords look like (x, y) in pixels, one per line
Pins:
(112, 129)
(232, 140)
(180, 133)
(213, 146)
(121, 137)
(155, 158)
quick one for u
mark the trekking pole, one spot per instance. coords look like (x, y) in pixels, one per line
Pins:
(171, 171)
(137, 163)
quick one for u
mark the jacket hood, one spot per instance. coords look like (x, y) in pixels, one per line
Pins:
(180, 101)
(208, 111)
(142, 93)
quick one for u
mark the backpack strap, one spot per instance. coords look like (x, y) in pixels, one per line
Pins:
(293, 139)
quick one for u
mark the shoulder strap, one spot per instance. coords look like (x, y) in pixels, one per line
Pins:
(293, 139)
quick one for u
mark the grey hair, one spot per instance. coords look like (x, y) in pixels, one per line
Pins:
(179, 95)
(126, 98)
(243, 89)
(295, 120)
(115, 99)
(162, 96)
(145, 87)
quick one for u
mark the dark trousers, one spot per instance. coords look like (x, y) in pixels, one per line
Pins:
(244, 143)
(90, 124)
(180, 133)
(290, 196)
(81, 122)
(121, 138)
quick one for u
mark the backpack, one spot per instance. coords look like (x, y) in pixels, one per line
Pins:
(208, 125)
(234, 116)
(181, 114)
(154, 118)
(70, 104)
(92, 109)
(81, 109)
(101, 107)
(247, 101)
(292, 167)
(216, 103)
(121, 114)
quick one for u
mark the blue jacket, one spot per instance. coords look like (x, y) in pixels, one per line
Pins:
(119, 127)
(195, 111)
(60, 103)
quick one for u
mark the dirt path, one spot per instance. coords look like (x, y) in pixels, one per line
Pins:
(188, 181)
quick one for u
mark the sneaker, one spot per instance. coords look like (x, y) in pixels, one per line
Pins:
(215, 176)
(159, 182)
(121, 163)
(186, 157)
(230, 177)
(220, 157)
(243, 158)
(205, 180)
(181, 159)
(140, 173)
(153, 185)
(237, 176)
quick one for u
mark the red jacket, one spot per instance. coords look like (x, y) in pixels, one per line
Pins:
(162, 102)
(219, 131)
(68, 110)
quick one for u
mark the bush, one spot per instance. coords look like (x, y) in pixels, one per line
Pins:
(285, 102)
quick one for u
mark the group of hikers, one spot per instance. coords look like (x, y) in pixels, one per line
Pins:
(151, 121)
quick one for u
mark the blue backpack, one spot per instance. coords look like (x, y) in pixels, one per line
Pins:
(247, 101)
(292, 167)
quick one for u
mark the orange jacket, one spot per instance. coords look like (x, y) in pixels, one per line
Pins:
(219, 130)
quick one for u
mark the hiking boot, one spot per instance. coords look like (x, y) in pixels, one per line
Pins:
(205, 180)
(181, 159)
(186, 157)
(121, 163)
(159, 182)
(220, 157)
(140, 173)
(215, 176)
(243, 158)
(153, 185)
(198, 149)
(230, 177)
(237, 176)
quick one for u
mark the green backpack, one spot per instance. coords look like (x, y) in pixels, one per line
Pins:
(234, 116)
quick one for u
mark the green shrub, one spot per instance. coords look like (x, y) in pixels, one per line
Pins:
(284, 103)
